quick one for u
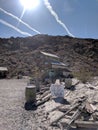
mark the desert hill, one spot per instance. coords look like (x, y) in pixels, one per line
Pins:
(21, 55)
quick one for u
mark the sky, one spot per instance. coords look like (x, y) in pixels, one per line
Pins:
(76, 18)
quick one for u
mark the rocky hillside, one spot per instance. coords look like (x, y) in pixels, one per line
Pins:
(21, 55)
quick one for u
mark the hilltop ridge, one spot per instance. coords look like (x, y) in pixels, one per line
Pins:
(21, 54)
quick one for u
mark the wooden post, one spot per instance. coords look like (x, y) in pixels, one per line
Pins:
(30, 93)
(68, 83)
(37, 75)
(37, 85)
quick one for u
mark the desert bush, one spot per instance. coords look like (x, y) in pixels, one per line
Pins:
(83, 74)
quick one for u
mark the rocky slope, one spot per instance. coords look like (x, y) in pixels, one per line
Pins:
(21, 55)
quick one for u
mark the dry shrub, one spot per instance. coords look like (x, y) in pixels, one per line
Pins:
(84, 75)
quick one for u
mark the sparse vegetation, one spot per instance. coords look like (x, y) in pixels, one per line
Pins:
(83, 75)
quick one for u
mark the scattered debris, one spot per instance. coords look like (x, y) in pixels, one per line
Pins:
(75, 114)
(79, 109)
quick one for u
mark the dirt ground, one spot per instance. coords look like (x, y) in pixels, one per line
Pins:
(13, 116)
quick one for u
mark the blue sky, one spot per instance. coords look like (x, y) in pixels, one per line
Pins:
(77, 18)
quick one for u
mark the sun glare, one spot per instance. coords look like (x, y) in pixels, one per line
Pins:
(29, 4)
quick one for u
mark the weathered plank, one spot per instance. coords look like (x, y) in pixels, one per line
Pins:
(86, 124)
(45, 99)
(59, 118)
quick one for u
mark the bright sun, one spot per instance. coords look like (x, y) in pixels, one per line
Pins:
(29, 4)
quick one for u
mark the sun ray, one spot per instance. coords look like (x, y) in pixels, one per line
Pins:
(21, 17)
(16, 18)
